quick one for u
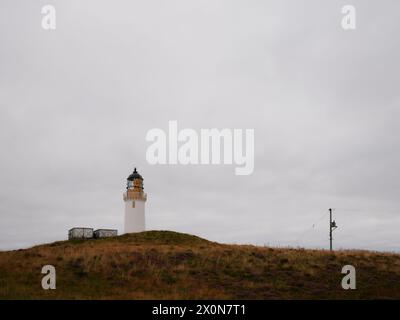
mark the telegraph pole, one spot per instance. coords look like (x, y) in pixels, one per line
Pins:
(332, 226)
(330, 229)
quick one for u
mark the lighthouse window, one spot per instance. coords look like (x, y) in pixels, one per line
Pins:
(133, 204)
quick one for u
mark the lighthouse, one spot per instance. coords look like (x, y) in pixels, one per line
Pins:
(135, 200)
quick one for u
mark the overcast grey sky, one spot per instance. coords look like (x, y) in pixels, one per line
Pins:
(76, 104)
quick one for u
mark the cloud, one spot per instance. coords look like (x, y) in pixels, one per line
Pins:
(76, 104)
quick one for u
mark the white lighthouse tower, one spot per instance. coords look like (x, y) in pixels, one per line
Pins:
(135, 200)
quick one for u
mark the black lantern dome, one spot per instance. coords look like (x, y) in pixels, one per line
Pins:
(135, 175)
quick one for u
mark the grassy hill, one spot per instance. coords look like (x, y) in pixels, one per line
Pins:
(170, 265)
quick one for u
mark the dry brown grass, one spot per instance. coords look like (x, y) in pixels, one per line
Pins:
(170, 265)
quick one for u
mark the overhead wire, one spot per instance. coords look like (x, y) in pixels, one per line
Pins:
(312, 226)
